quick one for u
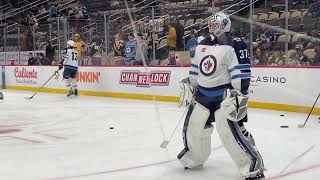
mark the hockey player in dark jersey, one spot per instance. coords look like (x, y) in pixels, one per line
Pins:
(219, 78)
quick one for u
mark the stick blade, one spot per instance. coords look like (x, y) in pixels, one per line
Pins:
(164, 144)
(28, 98)
(300, 126)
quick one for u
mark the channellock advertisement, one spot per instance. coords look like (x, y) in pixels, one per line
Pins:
(152, 80)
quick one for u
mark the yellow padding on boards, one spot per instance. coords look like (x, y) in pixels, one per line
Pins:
(261, 105)
(104, 94)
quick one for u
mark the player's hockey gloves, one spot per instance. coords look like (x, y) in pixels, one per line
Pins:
(235, 105)
(60, 65)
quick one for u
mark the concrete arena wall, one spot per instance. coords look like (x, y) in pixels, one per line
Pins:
(278, 88)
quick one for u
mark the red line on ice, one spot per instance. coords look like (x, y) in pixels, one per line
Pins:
(124, 169)
(296, 159)
(23, 139)
(294, 172)
(53, 136)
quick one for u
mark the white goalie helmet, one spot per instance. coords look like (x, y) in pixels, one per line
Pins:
(219, 23)
(70, 43)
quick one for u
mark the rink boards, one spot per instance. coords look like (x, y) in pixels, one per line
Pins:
(278, 88)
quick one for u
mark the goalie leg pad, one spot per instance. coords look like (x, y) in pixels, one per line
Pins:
(240, 148)
(196, 136)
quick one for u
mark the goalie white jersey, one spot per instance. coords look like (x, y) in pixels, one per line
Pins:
(70, 57)
(218, 67)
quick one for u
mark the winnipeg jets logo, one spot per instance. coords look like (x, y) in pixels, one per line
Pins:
(208, 65)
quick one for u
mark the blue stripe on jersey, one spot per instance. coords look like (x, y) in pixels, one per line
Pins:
(212, 93)
(242, 76)
(194, 65)
(240, 67)
(215, 91)
(193, 73)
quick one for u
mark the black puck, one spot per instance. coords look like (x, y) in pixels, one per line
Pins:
(281, 115)
(284, 126)
(111, 128)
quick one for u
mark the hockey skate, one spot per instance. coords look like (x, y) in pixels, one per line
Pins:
(70, 93)
(198, 167)
(76, 92)
(259, 176)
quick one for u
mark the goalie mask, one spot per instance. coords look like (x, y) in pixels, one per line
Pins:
(219, 23)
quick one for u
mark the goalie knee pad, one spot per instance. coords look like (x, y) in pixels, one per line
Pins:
(241, 148)
(196, 136)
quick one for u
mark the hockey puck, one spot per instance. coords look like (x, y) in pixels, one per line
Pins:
(281, 115)
(111, 127)
(284, 126)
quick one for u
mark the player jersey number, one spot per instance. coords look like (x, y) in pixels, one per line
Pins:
(74, 57)
(244, 54)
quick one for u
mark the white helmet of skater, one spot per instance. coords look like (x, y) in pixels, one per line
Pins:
(70, 43)
(219, 23)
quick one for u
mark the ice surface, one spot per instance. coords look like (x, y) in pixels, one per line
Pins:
(52, 137)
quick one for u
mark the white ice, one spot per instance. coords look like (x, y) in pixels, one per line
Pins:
(52, 137)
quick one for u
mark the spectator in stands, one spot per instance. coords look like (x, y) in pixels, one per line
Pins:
(276, 58)
(95, 53)
(118, 46)
(53, 11)
(265, 34)
(141, 51)
(316, 61)
(172, 37)
(50, 52)
(32, 61)
(179, 33)
(130, 49)
(80, 45)
(259, 57)
(44, 60)
(171, 60)
(192, 43)
(298, 58)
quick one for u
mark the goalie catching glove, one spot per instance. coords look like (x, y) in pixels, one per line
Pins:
(187, 92)
(235, 105)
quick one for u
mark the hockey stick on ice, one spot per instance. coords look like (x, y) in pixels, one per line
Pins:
(43, 85)
(302, 125)
(165, 143)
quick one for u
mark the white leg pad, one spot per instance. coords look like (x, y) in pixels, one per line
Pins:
(197, 137)
(243, 153)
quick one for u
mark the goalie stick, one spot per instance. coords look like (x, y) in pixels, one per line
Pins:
(165, 143)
